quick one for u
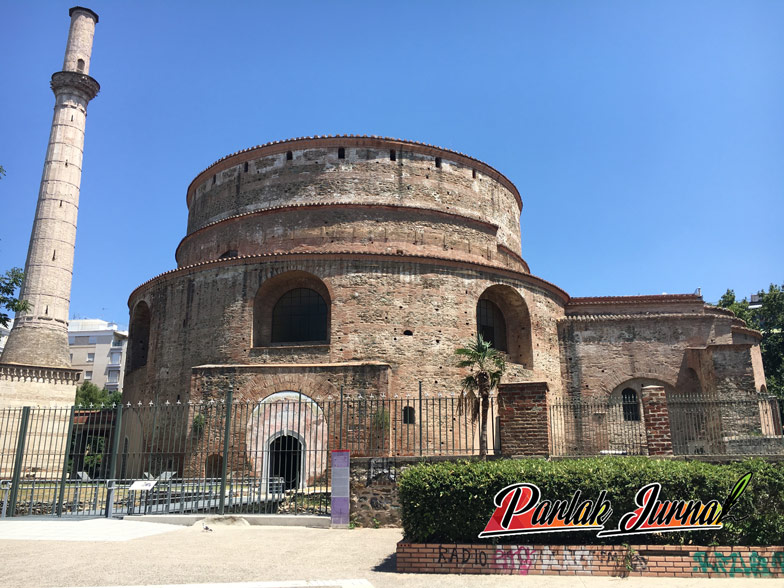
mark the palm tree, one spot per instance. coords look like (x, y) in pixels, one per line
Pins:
(487, 366)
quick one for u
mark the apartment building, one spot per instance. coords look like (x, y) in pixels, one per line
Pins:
(97, 348)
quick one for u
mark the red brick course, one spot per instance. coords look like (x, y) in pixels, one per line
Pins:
(675, 561)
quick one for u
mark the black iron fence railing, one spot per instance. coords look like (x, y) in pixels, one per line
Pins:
(695, 426)
(271, 456)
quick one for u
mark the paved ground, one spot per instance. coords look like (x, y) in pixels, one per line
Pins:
(39, 553)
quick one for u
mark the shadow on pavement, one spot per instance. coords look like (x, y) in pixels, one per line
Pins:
(389, 564)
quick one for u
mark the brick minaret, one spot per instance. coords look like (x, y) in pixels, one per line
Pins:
(40, 335)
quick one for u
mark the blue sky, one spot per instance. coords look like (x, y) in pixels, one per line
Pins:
(646, 138)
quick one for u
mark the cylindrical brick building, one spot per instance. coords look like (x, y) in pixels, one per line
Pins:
(359, 264)
(390, 252)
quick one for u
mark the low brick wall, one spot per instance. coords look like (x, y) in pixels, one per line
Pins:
(680, 561)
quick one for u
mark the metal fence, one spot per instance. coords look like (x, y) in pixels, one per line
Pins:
(698, 426)
(217, 456)
(273, 456)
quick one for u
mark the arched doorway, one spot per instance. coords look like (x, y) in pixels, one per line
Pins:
(285, 454)
(275, 421)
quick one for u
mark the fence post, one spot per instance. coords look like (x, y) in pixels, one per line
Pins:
(302, 472)
(17, 474)
(4, 488)
(340, 439)
(66, 457)
(226, 432)
(110, 486)
(420, 417)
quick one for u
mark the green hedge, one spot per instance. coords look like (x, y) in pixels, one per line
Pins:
(451, 502)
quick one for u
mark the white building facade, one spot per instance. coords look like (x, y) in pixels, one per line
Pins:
(97, 349)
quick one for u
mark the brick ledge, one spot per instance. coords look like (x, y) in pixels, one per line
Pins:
(677, 561)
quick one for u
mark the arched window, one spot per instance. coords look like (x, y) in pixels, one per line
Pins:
(341, 153)
(138, 337)
(292, 307)
(502, 318)
(300, 315)
(409, 416)
(631, 408)
(490, 323)
(80, 65)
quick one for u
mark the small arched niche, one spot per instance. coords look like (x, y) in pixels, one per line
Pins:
(292, 308)
(138, 336)
(502, 318)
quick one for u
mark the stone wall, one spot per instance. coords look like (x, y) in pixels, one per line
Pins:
(374, 498)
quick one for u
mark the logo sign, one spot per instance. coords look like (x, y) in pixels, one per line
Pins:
(521, 510)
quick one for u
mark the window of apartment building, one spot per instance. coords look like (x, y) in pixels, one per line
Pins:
(115, 358)
(117, 342)
(90, 357)
(113, 377)
(88, 375)
(81, 340)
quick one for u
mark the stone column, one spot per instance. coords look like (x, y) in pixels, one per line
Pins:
(657, 420)
(522, 408)
(40, 335)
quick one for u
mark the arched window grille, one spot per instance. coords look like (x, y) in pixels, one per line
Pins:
(631, 408)
(300, 315)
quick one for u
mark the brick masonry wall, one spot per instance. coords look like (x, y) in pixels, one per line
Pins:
(657, 420)
(675, 561)
(522, 408)
(689, 352)
(366, 175)
(205, 317)
(389, 229)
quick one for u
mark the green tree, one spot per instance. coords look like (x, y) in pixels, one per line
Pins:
(487, 366)
(89, 394)
(769, 319)
(9, 282)
(740, 308)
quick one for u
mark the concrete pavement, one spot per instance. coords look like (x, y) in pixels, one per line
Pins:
(99, 552)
